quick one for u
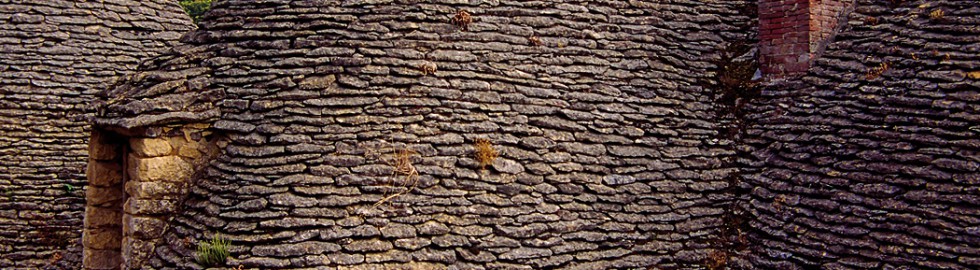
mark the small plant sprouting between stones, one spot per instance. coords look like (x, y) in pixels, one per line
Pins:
(535, 40)
(212, 252)
(427, 68)
(876, 72)
(69, 189)
(937, 14)
(485, 154)
(55, 258)
(462, 19)
(871, 20)
(716, 260)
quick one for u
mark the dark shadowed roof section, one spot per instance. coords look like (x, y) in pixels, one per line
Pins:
(872, 161)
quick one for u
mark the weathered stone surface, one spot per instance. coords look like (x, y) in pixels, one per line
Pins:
(104, 173)
(412, 243)
(153, 190)
(150, 147)
(264, 262)
(433, 228)
(398, 231)
(614, 137)
(56, 57)
(167, 168)
(844, 165)
(451, 240)
(101, 259)
(346, 259)
(290, 222)
(525, 253)
(190, 151)
(293, 250)
(616, 180)
(136, 206)
(109, 238)
(103, 196)
(445, 256)
(292, 200)
(508, 166)
(317, 82)
(368, 245)
(104, 147)
(146, 228)
(355, 124)
(98, 217)
(136, 251)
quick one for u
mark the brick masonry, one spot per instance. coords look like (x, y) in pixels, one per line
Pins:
(793, 32)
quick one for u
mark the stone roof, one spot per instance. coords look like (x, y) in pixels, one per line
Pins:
(54, 56)
(871, 160)
(608, 153)
(174, 88)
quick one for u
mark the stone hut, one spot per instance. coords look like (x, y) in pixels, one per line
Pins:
(548, 134)
(423, 135)
(870, 160)
(54, 57)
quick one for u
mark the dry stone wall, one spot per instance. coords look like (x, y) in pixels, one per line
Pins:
(135, 187)
(54, 56)
(102, 229)
(350, 129)
(871, 161)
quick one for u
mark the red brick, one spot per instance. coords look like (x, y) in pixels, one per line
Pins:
(789, 29)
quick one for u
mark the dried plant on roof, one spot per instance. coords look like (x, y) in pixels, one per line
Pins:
(937, 14)
(463, 19)
(876, 72)
(427, 68)
(401, 160)
(535, 40)
(485, 154)
(716, 260)
(55, 258)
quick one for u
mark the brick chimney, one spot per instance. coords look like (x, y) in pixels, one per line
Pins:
(793, 32)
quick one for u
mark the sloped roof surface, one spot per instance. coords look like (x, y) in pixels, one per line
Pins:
(54, 56)
(608, 155)
(175, 88)
(871, 161)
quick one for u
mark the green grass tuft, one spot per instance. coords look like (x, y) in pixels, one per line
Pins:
(213, 252)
